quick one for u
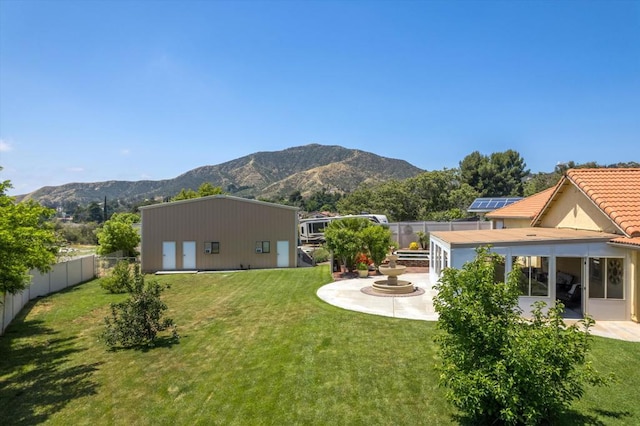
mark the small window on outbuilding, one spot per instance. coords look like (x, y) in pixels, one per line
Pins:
(263, 246)
(212, 247)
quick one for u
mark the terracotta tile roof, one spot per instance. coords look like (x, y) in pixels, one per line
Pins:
(627, 241)
(615, 191)
(527, 208)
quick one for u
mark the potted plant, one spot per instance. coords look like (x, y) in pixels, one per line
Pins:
(363, 270)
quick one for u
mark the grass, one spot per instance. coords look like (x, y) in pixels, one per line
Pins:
(257, 347)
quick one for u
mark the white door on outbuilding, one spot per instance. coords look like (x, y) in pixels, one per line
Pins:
(168, 255)
(188, 255)
(283, 254)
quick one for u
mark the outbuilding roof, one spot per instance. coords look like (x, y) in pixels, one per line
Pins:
(212, 197)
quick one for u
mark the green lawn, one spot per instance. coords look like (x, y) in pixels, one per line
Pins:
(257, 347)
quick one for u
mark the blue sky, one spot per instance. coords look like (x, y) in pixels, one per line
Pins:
(129, 90)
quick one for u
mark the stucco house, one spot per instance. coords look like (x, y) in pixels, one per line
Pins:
(218, 232)
(578, 241)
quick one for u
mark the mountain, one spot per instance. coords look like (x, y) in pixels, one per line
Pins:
(306, 169)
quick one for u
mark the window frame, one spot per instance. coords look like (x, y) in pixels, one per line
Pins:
(213, 247)
(528, 271)
(263, 247)
(601, 275)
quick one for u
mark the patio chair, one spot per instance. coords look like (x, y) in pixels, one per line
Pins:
(573, 295)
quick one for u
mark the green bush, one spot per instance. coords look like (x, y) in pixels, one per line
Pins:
(120, 280)
(497, 367)
(137, 320)
(348, 237)
(423, 238)
(321, 255)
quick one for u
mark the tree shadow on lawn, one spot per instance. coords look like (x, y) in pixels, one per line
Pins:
(567, 418)
(38, 380)
(159, 342)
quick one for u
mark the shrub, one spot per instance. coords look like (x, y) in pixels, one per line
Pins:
(414, 246)
(362, 258)
(137, 320)
(120, 280)
(377, 240)
(497, 367)
(321, 255)
(349, 237)
(423, 238)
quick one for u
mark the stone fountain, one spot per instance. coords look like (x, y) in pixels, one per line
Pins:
(392, 285)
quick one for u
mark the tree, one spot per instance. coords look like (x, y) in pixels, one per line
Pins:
(120, 280)
(377, 240)
(137, 320)
(497, 367)
(118, 234)
(436, 191)
(129, 218)
(360, 200)
(207, 189)
(185, 194)
(204, 190)
(539, 182)
(95, 213)
(27, 241)
(510, 171)
(343, 238)
(499, 175)
(347, 238)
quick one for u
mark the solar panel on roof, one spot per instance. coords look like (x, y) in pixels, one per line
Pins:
(484, 204)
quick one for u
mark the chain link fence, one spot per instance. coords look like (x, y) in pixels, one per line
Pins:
(105, 263)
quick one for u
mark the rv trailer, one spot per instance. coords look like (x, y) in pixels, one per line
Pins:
(312, 229)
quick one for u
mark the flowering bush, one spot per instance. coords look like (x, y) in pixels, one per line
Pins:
(363, 258)
(414, 246)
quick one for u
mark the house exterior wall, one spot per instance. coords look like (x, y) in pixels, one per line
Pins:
(236, 224)
(516, 223)
(574, 210)
(634, 278)
(600, 309)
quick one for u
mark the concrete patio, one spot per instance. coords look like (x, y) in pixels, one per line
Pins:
(347, 294)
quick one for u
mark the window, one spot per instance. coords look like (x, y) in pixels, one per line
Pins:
(606, 278)
(500, 271)
(212, 247)
(317, 227)
(263, 246)
(534, 275)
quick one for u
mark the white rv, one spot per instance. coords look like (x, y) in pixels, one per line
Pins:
(312, 229)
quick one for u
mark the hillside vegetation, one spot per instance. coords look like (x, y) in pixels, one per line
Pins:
(268, 175)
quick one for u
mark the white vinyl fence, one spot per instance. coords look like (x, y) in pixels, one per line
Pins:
(404, 233)
(61, 276)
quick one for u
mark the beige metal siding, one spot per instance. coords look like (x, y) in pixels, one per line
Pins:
(236, 224)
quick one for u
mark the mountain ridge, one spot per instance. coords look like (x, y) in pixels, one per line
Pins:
(264, 174)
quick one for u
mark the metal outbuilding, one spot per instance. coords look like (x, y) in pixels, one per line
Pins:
(218, 232)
